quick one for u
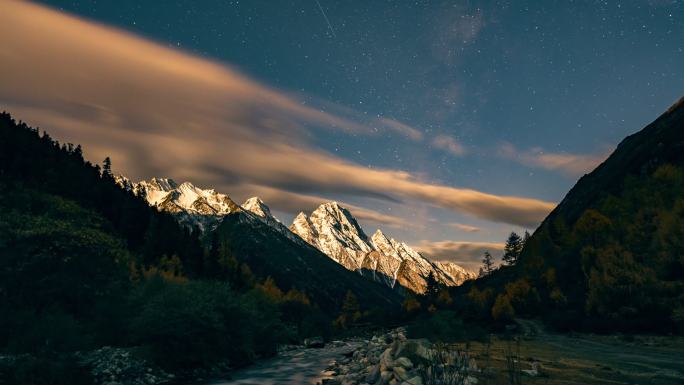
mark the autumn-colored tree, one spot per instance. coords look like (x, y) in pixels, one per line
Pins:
(444, 298)
(271, 290)
(502, 309)
(411, 305)
(351, 311)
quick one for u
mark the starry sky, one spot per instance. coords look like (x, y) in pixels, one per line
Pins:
(446, 123)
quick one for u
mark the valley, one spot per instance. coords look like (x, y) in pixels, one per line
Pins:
(323, 192)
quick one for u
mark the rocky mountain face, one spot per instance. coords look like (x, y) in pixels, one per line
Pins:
(192, 206)
(253, 235)
(330, 228)
(334, 231)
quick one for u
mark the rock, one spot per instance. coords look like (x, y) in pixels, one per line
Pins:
(413, 381)
(470, 380)
(400, 373)
(415, 350)
(386, 359)
(534, 372)
(373, 374)
(314, 342)
(472, 365)
(385, 376)
(404, 362)
(330, 381)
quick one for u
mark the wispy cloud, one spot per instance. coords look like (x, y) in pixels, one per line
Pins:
(402, 129)
(158, 111)
(466, 254)
(448, 143)
(464, 227)
(570, 164)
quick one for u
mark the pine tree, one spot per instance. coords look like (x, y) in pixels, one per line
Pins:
(107, 167)
(487, 264)
(431, 288)
(512, 249)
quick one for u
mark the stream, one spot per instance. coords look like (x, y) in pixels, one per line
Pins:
(294, 367)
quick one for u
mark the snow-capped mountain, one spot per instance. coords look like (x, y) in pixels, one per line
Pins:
(330, 228)
(334, 231)
(256, 206)
(193, 206)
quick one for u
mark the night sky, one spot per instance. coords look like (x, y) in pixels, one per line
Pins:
(507, 98)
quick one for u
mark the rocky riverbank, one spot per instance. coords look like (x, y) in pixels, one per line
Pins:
(393, 359)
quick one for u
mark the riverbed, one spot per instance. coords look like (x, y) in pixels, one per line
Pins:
(294, 367)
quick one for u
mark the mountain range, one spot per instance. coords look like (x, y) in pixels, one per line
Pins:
(331, 229)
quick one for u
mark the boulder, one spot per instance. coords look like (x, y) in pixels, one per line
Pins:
(404, 362)
(314, 342)
(400, 373)
(373, 374)
(418, 351)
(385, 376)
(386, 359)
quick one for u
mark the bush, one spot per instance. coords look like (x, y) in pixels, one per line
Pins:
(200, 323)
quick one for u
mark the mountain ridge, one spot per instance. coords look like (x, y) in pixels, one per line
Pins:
(331, 229)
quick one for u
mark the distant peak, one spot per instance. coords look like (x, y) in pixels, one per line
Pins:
(254, 200)
(301, 217)
(378, 233)
(165, 184)
(257, 206)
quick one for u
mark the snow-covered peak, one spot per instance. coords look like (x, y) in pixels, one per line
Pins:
(333, 215)
(167, 195)
(256, 206)
(333, 230)
(456, 272)
(163, 184)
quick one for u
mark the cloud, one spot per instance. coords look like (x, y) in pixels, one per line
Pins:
(402, 129)
(466, 254)
(569, 164)
(449, 144)
(464, 227)
(158, 111)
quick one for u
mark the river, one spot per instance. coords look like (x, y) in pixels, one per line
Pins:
(294, 367)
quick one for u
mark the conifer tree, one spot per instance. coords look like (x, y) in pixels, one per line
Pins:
(512, 249)
(487, 264)
(107, 167)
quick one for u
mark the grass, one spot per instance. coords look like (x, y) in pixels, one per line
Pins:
(586, 359)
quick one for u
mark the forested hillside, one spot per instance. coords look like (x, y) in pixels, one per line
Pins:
(610, 257)
(84, 263)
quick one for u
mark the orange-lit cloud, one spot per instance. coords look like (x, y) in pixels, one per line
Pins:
(464, 227)
(402, 129)
(158, 111)
(570, 164)
(466, 254)
(449, 144)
